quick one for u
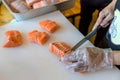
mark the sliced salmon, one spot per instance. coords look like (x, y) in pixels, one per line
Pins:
(14, 39)
(38, 37)
(31, 2)
(53, 1)
(59, 48)
(9, 1)
(40, 4)
(19, 6)
(49, 25)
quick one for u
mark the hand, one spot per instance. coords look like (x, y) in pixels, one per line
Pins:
(88, 59)
(106, 15)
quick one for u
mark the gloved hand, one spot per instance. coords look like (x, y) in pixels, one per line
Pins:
(88, 59)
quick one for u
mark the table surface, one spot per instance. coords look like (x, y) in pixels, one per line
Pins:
(34, 62)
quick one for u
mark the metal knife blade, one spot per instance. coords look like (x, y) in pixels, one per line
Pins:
(87, 37)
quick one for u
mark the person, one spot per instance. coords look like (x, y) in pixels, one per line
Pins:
(95, 58)
(108, 14)
(111, 13)
(88, 7)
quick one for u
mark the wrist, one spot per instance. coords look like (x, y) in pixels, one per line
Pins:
(116, 57)
(108, 58)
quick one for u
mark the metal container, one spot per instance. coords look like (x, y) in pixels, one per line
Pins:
(40, 11)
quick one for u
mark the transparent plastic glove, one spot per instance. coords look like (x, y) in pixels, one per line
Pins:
(88, 59)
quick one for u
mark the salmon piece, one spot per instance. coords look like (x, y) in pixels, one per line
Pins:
(59, 48)
(9, 1)
(53, 1)
(62, 0)
(19, 6)
(49, 25)
(14, 39)
(31, 2)
(40, 4)
(38, 37)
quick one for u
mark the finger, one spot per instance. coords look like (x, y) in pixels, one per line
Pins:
(99, 20)
(106, 24)
(107, 20)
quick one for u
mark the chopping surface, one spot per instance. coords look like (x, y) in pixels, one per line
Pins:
(34, 62)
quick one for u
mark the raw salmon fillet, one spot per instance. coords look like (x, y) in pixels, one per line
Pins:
(31, 2)
(38, 37)
(40, 4)
(59, 48)
(49, 25)
(14, 39)
(9, 1)
(19, 6)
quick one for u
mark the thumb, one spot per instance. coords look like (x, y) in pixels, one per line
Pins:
(98, 22)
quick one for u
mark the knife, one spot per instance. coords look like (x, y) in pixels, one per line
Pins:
(87, 37)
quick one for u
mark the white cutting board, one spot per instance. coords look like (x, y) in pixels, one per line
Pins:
(34, 62)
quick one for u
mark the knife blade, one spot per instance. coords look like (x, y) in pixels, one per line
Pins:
(87, 37)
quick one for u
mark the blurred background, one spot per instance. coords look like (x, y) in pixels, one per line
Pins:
(73, 15)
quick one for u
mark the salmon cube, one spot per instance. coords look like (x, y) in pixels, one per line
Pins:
(38, 37)
(40, 4)
(52, 1)
(31, 2)
(19, 6)
(49, 25)
(59, 48)
(9, 1)
(14, 39)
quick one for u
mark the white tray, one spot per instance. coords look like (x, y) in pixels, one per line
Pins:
(37, 12)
